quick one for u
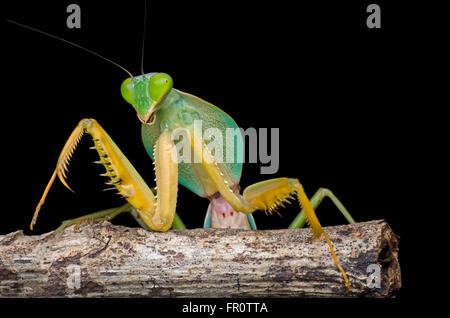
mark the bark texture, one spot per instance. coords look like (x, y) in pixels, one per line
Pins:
(105, 260)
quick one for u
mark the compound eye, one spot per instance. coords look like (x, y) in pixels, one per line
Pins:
(127, 90)
(159, 83)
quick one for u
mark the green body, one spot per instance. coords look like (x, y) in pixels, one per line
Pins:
(173, 109)
(180, 110)
(160, 107)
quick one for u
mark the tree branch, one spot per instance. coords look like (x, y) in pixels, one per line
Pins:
(105, 260)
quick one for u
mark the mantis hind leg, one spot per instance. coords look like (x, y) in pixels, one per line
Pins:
(156, 211)
(315, 201)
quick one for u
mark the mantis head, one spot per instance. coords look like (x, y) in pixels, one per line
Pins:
(146, 94)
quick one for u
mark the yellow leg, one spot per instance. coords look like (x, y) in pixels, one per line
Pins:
(266, 195)
(158, 211)
(270, 194)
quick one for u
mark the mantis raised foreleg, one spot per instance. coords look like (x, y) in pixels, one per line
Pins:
(157, 212)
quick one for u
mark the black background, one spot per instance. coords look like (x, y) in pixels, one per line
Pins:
(333, 87)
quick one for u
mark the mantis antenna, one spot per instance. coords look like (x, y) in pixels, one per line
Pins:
(71, 43)
(143, 36)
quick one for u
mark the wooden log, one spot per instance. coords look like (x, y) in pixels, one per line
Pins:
(105, 260)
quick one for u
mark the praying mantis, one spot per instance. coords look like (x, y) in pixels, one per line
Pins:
(162, 110)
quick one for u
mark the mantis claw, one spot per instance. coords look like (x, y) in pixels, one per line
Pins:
(61, 166)
(157, 212)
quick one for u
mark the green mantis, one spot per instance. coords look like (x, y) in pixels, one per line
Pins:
(164, 112)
